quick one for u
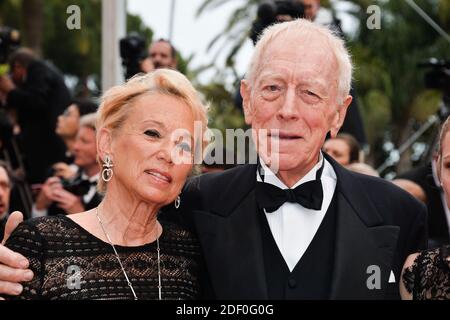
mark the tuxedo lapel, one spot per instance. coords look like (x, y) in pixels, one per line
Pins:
(365, 247)
(230, 236)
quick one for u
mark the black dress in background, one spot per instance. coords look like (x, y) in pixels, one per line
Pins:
(429, 276)
(57, 248)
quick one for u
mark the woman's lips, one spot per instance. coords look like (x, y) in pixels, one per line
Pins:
(159, 176)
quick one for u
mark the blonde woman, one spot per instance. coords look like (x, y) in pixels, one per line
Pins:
(120, 249)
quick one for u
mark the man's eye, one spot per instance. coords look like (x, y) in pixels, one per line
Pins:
(310, 93)
(310, 97)
(273, 88)
(152, 133)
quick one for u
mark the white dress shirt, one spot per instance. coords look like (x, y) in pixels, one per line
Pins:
(92, 189)
(293, 226)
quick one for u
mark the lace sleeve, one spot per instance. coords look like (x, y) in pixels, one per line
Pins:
(428, 278)
(410, 278)
(27, 241)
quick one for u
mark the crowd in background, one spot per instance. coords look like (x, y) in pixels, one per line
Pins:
(55, 165)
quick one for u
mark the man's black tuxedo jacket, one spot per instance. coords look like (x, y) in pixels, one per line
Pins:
(378, 226)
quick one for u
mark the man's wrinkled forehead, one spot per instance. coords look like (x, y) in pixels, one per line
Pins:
(294, 44)
(294, 50)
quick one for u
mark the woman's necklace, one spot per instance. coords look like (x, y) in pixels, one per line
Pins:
(120, 262)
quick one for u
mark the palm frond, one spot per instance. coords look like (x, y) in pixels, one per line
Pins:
(210, 5)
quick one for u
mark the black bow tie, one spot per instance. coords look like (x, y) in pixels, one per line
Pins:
(308, 194)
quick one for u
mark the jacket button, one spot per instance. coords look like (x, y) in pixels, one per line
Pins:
(292, 283)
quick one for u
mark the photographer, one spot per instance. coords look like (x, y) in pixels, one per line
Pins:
(136, 58)
(79, 194)
(163, 54)
(37, 94)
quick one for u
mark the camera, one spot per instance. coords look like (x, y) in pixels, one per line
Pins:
(9, 42)
(133, 50)
(76, 186)
(439, 75)
(272, 12)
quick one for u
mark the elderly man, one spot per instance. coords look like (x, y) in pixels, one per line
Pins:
(296, 225)
(332, 233)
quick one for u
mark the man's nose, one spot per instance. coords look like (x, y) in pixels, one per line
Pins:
(289, 109)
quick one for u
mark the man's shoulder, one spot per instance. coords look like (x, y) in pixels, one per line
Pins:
(209, 181)
(385, 195)
(228, 185)
(378, 185)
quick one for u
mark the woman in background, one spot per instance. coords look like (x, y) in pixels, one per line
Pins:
(426, 275)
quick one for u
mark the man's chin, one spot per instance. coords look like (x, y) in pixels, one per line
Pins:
(286, 162)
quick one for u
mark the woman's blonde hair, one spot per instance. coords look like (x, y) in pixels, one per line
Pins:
(444, 129)
(117, 102)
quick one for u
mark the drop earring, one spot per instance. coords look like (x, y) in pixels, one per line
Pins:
(107, 171)
(177, 202)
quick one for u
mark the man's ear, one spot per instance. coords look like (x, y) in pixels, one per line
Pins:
(104, 143)
(246, 105)
(339, 117)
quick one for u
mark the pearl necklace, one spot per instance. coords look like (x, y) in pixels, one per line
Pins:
(121, 265)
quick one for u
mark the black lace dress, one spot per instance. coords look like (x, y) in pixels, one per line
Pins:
(428, 278)
(70, 263)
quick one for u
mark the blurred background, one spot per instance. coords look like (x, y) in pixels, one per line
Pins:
(402, 71)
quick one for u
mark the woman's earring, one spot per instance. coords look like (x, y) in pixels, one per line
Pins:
(107, 171)
(177, 202)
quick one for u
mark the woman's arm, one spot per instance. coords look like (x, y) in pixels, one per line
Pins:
(408, 277)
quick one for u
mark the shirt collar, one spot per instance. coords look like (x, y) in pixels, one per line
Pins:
(270, 177)
(94, 178)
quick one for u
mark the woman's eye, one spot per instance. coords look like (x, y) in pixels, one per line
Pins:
(185, 147)
(152, 133)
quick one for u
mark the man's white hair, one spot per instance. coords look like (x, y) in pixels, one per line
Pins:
(305, 29)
